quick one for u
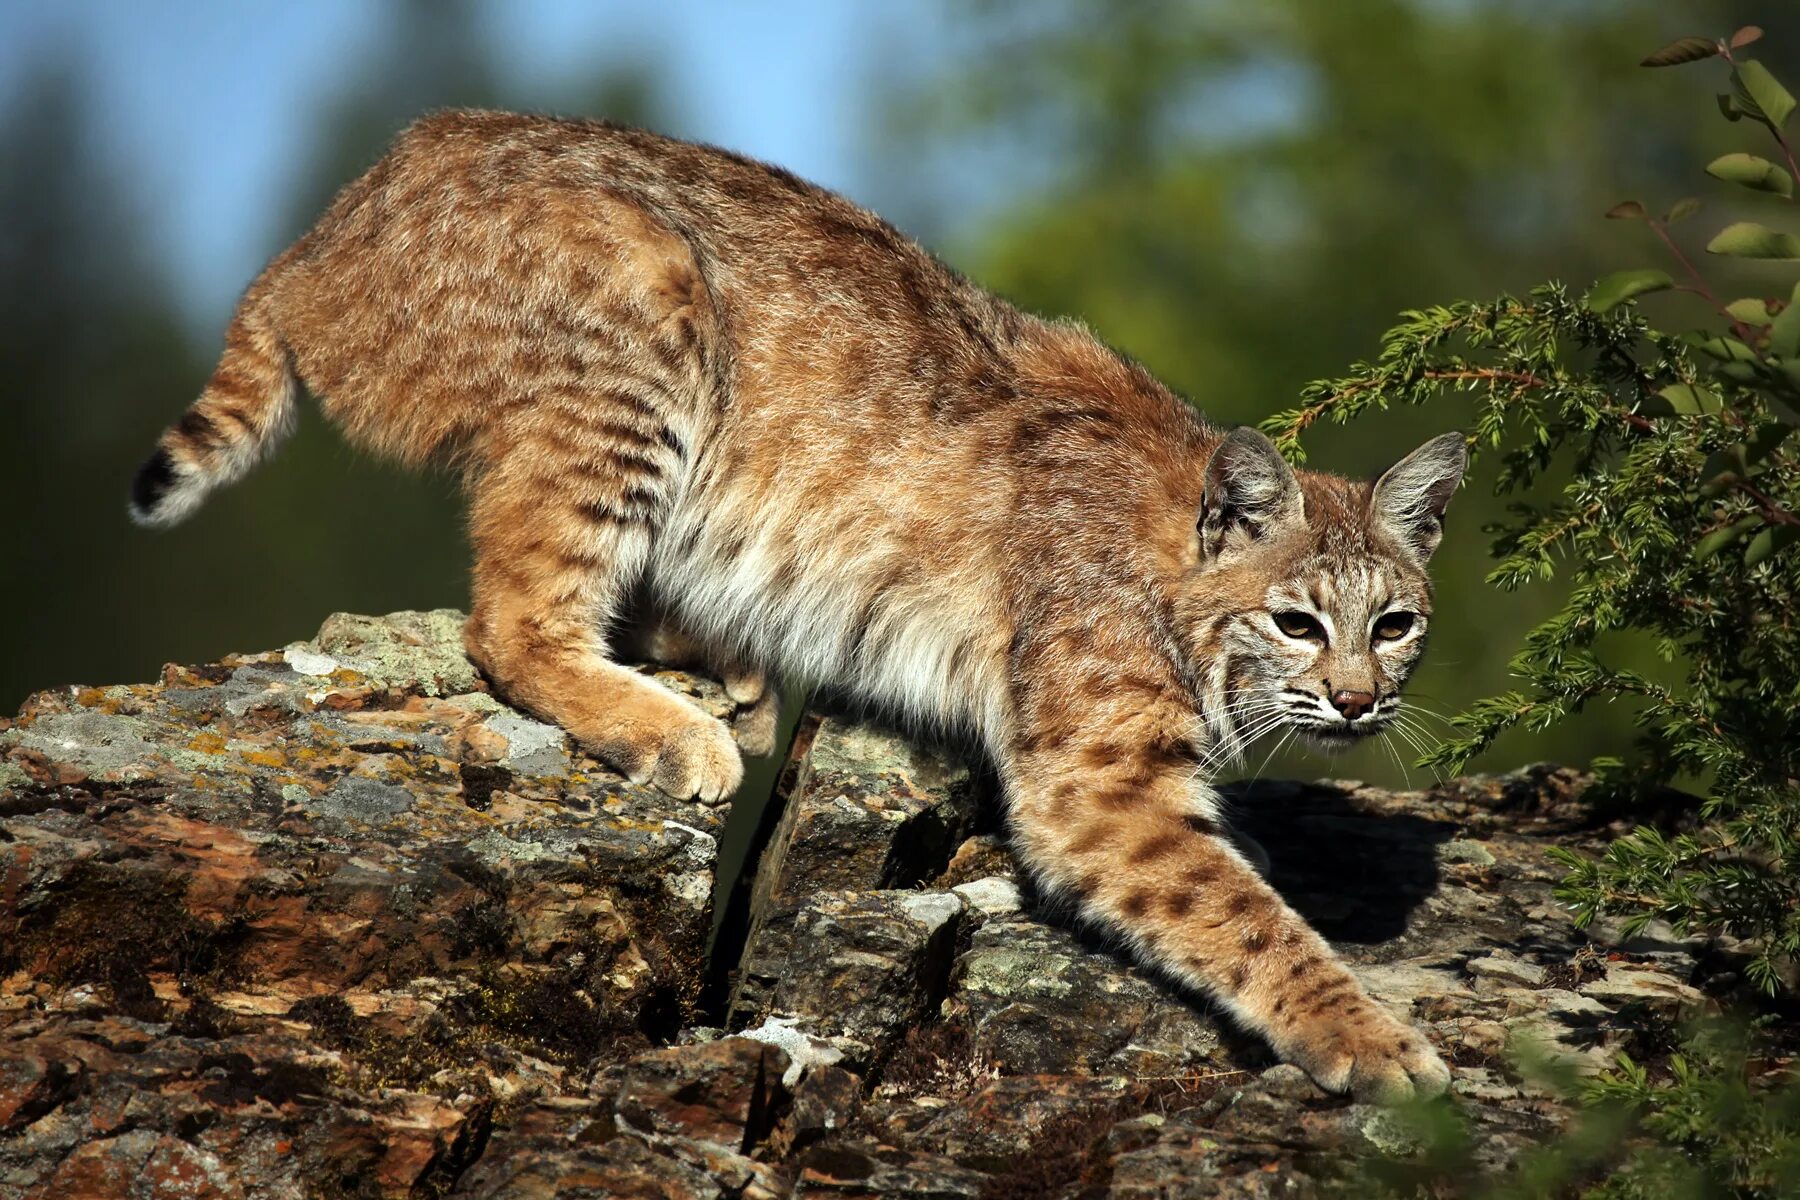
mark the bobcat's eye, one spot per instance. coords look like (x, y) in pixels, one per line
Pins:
(1299, 625)
(1393, 626)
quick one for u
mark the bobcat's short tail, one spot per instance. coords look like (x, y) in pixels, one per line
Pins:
(245, 411)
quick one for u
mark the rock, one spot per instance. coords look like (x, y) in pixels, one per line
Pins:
(991, 897)
(805, 1052)
(1461, 851)
(119, 1099)
(1036, 1001)
(868, 1170)
(413, 651)
(1507, 971)
(866, 812)
(966, 1130)
(567, 1148)
(1483, 1086)
(327, 914)
(335, 919)
(824, 1102)
(836, 940)
(726, 1093)
(1290, 1083)
(855, 968)
(1188, 1162)
(1658, 990)
(981, 857)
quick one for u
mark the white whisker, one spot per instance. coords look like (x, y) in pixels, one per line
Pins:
(1387, 743)
(1267, 758)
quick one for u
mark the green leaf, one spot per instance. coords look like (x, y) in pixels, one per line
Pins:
(1621, 286)
(1770, 541)
(1790, 374)
(1758, 174)
(1682, 399)
(1728, 106)
(1765, 91)
(1784, 334)
(1727, 461)
(1626, 210)
(1681, 50)
(1751, 310)
(1705, 398)
(1681, 209)
(1718, 539)
(1765, 442)
(1747, 239)
(1725, 349)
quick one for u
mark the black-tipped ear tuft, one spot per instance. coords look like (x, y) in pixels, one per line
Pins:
(1411, 497)
(1249, 488)
(152, 483)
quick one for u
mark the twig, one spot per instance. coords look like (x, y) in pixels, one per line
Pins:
(1772, 511)
(1743, 331)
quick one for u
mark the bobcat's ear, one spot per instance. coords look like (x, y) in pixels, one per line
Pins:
(1411, 497)
(1249, 490)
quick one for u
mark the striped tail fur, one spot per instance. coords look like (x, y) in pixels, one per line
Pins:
(245, 411)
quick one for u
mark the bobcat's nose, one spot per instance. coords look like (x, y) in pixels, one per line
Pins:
(1352, 704)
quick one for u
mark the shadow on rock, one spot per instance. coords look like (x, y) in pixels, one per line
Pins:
(1353, 870)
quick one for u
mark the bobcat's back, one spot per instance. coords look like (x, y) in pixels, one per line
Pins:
(663, 361)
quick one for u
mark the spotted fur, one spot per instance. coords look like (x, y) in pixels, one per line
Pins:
(672, 373)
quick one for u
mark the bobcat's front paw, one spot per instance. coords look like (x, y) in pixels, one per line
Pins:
(674, 746)
(1362, 1049)
(699, 760)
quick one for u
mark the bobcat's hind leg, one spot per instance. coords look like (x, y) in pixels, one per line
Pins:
(556, 549)
(757, 699)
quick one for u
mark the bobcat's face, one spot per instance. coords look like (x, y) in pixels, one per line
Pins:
(1311, 599)
(1330, 649)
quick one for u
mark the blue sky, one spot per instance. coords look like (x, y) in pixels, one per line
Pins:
(206, 104)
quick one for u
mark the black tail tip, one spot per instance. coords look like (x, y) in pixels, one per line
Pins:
(153, 481)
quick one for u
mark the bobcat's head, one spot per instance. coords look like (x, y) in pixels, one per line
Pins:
(1310, 602)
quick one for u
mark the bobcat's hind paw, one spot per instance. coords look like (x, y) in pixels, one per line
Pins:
(755, 726)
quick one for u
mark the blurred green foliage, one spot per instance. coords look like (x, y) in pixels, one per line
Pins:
(1240, 195)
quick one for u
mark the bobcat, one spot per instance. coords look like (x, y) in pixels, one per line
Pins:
(671, 372)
